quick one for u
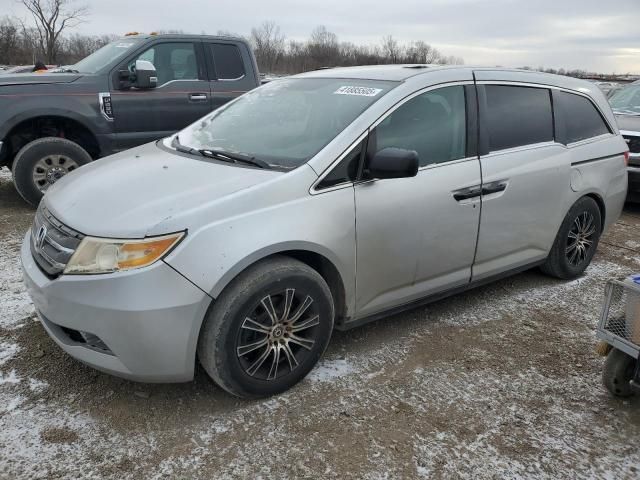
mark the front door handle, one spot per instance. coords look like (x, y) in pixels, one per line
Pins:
(197, 97)
(494, 187)
(467, 193)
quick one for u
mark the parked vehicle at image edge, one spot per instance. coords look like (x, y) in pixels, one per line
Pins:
(315, 202)
(22, 69)
(626, 108)
(132, 91)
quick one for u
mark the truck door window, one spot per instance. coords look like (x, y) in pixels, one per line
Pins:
(227, 61)
(173, 61)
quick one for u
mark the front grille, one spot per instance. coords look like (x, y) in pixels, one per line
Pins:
(52, 242)
(633, 142)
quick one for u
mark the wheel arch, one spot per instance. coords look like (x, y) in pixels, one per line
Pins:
(601, 206)
(25, 129)
(315, 257)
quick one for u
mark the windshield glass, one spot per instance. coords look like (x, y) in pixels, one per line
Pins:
(627, 100)
(285, 122)
(104, 56)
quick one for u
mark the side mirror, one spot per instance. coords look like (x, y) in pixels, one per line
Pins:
(394, 163)
(146, 76)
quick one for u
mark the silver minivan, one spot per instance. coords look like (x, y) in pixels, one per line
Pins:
(319, 201)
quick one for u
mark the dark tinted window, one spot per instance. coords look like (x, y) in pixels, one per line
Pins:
(433, 124)
(581, 118)
(517, 116)
(173, 61)
(345, 172)
(227, 61)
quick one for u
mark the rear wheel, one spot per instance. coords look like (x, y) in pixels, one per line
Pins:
(267, 329)
(619, 369)
(576, 241)
(41, 163)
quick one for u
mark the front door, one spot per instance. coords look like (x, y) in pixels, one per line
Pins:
(181, 97)
(417, 236)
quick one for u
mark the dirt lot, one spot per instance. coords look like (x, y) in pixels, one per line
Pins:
(500, 382)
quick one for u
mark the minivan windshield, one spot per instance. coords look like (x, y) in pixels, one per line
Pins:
(285, 122)
(105, 55)
(626, 100)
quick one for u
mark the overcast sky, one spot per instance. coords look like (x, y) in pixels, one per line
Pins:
(597, 35)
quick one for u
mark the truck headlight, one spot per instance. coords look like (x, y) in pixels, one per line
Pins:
(106, 255)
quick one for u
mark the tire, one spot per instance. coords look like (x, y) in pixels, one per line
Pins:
(42, 162)
(619, 369)
(239, 320)
(581, 228)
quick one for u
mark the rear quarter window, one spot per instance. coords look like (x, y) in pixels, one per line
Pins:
(227, 61)
(517, 116)
(582, 120)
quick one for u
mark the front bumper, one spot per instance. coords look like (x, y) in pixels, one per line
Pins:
(147, 320)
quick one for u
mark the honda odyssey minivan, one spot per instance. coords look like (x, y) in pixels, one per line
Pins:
(319, 201)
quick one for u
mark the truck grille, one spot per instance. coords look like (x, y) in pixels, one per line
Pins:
(52, 242)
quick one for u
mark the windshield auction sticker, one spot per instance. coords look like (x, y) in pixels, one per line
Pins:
(360, 91)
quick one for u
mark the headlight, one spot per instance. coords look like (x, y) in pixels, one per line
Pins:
(104, 255)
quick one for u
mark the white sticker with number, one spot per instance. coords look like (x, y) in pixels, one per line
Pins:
(360, 91)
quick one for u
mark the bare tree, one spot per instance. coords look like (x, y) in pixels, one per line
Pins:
(322, 48)
(391, 50)
(52, 17)
(268, 45)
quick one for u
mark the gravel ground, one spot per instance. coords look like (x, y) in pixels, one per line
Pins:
(499, 382)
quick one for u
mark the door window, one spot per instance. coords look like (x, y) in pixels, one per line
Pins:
(517, 116)
(582, 119)
(433, 124)
(227, 61)
(173, 61)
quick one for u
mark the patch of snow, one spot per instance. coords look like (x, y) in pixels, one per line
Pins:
(12, 377)
(329, 370)
(37, 385)
(16, 304)
(8, 351)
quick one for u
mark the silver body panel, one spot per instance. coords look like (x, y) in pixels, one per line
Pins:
(391, 241)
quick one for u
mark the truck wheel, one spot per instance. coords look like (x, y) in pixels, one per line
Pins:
(576, 241)
(619, 369)
(267, 329)
(39, 164)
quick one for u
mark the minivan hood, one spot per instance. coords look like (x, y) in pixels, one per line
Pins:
(129, 194)
(37, 78)
(629, 123)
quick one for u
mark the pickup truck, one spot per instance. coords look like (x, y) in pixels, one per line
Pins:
(134, 90)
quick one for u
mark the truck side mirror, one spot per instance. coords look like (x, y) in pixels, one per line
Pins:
(146, 76)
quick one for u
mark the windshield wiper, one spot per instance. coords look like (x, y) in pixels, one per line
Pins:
(233, 157)
(624, 111)
(65, 70)
(219, 154)
(175, 143)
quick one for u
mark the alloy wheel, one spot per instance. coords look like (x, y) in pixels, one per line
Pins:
(278, 335)
(581, 238)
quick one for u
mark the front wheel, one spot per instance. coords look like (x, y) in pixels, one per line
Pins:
(267, 329)
(576, 241)
(41, 163)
